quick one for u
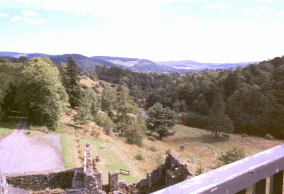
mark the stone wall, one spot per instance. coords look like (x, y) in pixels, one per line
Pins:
(171, 172)
(113, 181)
(41, 180)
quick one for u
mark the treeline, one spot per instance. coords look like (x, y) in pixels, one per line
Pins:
(139, 84)
(33, 88)
(253, 96)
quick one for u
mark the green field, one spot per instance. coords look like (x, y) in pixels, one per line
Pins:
(7, 125)
(68, 147)
(110, 161)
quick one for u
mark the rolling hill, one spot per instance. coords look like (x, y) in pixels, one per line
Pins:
(193, 65)
(134, 64)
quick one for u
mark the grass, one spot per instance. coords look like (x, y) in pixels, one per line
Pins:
(206, 148)
(68, 150)
(110, 161)
(8, 125)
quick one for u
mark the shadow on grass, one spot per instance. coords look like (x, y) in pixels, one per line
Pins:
(9, 122)
(203, 138)
(74, 126)
(209, 138)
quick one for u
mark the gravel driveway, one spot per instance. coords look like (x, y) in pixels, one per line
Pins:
(22, 153)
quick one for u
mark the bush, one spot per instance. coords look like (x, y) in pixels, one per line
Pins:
(194, 120)
(153, 148)
(95, 132)
(102, 84)
(152, 138)
(133, 135)
(84, 86)
(139, 156)
(159, 159)
(268, 136)
(232, 155)
(244, 135)
(97, 90)
(199, 170)
(168, 151)
(181, 147)
(104, 121)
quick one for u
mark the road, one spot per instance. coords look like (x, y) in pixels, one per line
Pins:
(22, 153)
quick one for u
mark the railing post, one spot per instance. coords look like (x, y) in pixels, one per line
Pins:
(244, 191)
(259, 187)
(276, 183)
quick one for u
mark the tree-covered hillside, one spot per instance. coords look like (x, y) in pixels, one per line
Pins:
(253, 95)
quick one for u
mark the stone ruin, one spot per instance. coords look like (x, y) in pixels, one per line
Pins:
(171, 172)
(88, 180)
(3, 184)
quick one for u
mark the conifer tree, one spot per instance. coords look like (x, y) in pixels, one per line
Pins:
(124, 105)
(161, 120)
(218, 121)
(73, 87)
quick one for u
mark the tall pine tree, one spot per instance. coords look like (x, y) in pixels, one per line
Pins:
(73, 86)
(218, 121)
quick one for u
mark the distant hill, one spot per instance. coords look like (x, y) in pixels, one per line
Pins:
(193, 65)
(134, 64)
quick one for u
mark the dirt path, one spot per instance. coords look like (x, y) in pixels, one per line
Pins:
(21, 153)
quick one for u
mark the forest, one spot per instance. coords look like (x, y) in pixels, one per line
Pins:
(246, 100)
(252, 97)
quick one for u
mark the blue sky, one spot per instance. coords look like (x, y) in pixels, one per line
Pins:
(159, 30)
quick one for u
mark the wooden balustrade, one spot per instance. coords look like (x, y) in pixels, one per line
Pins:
(238, 176)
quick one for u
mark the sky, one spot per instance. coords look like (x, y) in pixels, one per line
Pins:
(217, 31)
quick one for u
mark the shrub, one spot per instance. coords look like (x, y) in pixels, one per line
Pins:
(193, 120)
(152, 138)
(139, 156)
(168, 151)
(226, 136)
(153, 148)
(95, 132)
(133, 135)
(97, 90)
(84, 86)
(232, 155)
(159, 159)
(102, 84)
(181, 147)
(199, 170)
(244, 135)
(268, 136)
(104, 121)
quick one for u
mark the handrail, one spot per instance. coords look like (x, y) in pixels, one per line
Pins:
(237, 176)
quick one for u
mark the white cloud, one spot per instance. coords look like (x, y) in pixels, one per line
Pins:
(4, 15)
(15, 18)
(166, 40)
(97, 8)
(265, 1)
(216, 6)
(29, 13)
(34, 21)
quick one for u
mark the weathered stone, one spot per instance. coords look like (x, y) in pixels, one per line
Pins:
(113, 181)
